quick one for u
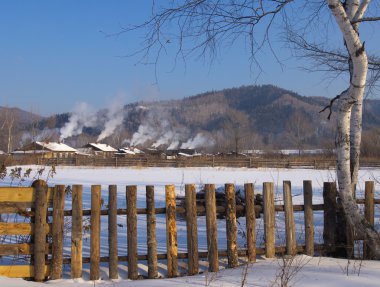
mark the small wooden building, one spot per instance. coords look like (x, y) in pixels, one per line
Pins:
(99, 149)
(46, 150)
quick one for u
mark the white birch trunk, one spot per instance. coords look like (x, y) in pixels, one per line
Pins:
(355, 140)
(348, 99)
(352, 7)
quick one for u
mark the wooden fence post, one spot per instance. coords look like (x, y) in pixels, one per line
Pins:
(76, 232)
(151, 232)
(212, 229)
(290, 228)
(171, 231)
(369, 213)
(344, 234)
(329, 217)
(112, 232)
(95, 232)
(40, 188)
(269, 219)
(250, 217)
(57, 237)
(308, 215)
(192, 228)
(131, 195)
(231, 228)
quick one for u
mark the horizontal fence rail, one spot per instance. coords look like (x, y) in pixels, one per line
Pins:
(45, 207)
(204, 161)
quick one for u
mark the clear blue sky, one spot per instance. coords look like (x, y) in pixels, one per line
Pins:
(54, 54)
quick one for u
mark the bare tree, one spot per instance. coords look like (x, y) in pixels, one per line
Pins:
(7, 125)
(202, 26)
(236, 129)
(299, 129)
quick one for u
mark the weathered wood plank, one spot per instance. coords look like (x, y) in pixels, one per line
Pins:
(21, 271)
(40, 225)
(76, 232)
(21, 208)
(151, 232)
(22, 194)
(231, 227)
(131, 195)
(329, 217)
(192, 228)
(171, 231)
(57, 232)
(20, 228)
(112, 232)
(95, 232)
(250, 219)
(309, 218)
(290, 228)
(212, 229)
(19, 249)
(269, 219)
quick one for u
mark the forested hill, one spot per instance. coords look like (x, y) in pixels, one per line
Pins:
(232, 119)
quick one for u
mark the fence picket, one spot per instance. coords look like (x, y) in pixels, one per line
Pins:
(212, 229)
(269, 219)
(329, 217)
(76, 232)
(131, 195)
(112, 232)
(309, 219)
(250, 217)
(95, 232)
(151, 232)
(369, 213)
(192, 228)
(171, 231)
(231, 225)
(39, 229)
(57, 231)
(290, 228)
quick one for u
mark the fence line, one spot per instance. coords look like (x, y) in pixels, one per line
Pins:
(204, 161)
(47, 256)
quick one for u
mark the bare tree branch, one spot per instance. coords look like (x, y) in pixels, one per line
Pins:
(366, 19)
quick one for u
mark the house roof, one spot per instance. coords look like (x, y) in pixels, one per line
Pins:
(130, 150)
(38, 147)
(56, 147)
(101, 147)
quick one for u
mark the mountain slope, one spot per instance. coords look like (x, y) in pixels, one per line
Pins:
(232, 119)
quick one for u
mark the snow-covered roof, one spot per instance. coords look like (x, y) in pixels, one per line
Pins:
(102, 147)
(130, 150)
(57, 147)
(126, 151)
(184, 154)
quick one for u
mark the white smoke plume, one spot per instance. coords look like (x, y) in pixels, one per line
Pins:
(199, 140)
(157, 131)
(82, 116)
(114, 118)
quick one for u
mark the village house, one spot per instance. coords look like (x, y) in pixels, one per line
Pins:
(46, 150)
(98, 149)
(129, 151)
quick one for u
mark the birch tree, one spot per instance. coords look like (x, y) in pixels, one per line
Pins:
(202, 26)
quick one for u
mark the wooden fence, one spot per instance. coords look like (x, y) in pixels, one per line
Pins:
(40, 202)
(204, 161)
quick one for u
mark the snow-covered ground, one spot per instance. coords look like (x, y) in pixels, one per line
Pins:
(317, 271)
